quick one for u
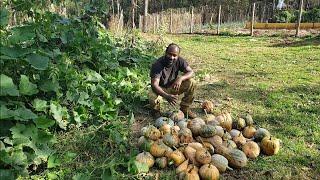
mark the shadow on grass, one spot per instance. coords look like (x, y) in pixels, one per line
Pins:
(313, 41)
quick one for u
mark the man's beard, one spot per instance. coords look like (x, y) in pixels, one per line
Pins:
(168, 62)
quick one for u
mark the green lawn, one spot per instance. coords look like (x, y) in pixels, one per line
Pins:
(278, 81)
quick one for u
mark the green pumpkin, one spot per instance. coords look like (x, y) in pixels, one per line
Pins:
(249, 120)
(163, 120)
(239, 124)
(207, 131)
(260, 134)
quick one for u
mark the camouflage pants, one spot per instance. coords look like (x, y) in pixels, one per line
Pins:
(187, 88)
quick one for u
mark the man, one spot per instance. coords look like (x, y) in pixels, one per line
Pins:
(166, 82)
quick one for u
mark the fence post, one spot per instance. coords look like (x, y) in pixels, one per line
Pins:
(154, 23)
(219, 20)
(158, 26)
(191, 21)
(299, 18)
(171, 23)
(252, 19)
(145, 16)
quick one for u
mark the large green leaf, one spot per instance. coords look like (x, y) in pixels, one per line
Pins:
(37, 61)
(15, 157)
(7, 87)
(54, 161)
(7, 174)
(50, 85)
(26, 87)
(15, 52)
(5, 113)
(40, 105)
(43, 122)
(4, 17)
(139, 167)
(60, 114)
(22, 34)
(24, 114)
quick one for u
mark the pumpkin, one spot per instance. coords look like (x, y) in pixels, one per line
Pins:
(239, 124)
(234, 133)
(224, 121)
(190, 174)
(168, 152)
(190, 153)
(203, 156)
(270, 145)
(209, 117)
(220, 162)
(207, 106)
(215, 140)
(208, 147)
(249, 131)
(171, 139)
(213, 122)
(145, 157)
(219, 130)
(229, 144)
(207, 131)
(152, 133)
(195, 125)
(177, 157)
(143, 131)
(235, 157)
(162, 162)
(195, 145)
(251, 149)
(144, 143)
(182, 124)
(176, 128)
(226, 136)
(165, 128)
(209, 171)
(185, 135)
(163, 120)
(260, 134)
(182, 167)
(239, 140)
(177, 115)
(158, 149)
(249, 120)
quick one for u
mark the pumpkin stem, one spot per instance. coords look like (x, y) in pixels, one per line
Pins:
(229, 168)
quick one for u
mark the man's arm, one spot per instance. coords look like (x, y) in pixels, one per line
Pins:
(172, 99)
(187, 75)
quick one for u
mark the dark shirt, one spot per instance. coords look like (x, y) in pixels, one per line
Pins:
(167, 75)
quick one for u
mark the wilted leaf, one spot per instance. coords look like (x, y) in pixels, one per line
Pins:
(7, 87)
(26, 87)
(60, 114)
(37, 61)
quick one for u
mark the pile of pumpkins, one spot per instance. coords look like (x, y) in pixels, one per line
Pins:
(202, 148)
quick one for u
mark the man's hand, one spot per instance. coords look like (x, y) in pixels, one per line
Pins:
(176, 85)
(172, 99)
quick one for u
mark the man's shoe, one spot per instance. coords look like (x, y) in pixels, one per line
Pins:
(188, 113)
(155, 113)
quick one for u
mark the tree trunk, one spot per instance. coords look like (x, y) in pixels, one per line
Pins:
(146, 2)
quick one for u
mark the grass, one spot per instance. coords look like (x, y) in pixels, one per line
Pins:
(275, 79)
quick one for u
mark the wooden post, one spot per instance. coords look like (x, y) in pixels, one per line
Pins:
(146, 2)
(171, 23)
(299, 18)
(133, 13)
(191, 21)
(154, 24)
(252, 19)
(211, 18)
(219, 20)
(158, 26)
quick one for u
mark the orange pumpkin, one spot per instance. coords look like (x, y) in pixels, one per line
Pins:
(270, 145)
